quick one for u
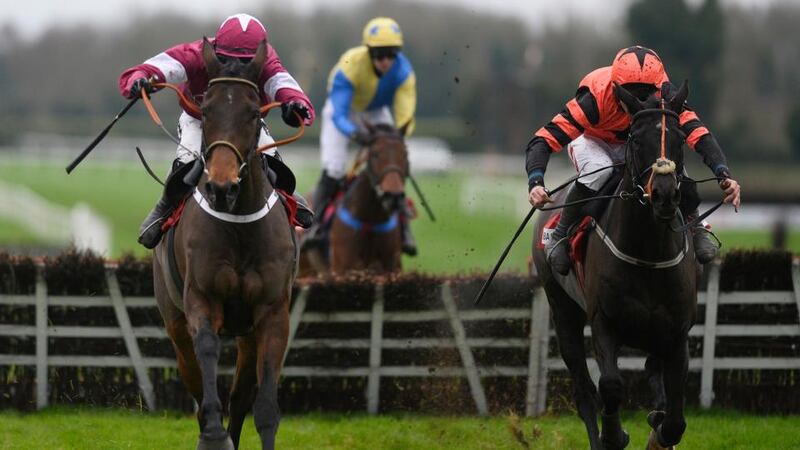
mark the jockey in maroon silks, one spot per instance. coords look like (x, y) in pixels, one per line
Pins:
(594, 126)
(237, 37)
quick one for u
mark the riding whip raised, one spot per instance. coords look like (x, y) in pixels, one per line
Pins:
(522, 227)
(100, 136)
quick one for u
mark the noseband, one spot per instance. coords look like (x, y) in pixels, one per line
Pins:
(663, 165)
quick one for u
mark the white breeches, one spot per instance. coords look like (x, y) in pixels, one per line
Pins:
(589, 153)
(190, 132)
(333, 143)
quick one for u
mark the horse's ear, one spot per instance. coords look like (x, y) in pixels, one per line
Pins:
(210, 59)
(679, 99)
(254, 67)
(631, 103)
(404, 129)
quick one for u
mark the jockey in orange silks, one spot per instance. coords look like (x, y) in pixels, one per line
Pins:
(594, 126)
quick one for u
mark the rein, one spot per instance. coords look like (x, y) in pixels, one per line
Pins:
(192, 107)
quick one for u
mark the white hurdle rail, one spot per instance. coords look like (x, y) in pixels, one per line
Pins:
(537, 343)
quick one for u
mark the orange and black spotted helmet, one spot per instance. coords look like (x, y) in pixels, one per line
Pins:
(639, 65)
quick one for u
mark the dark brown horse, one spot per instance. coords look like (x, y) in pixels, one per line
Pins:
(236, 257)
(365, 232)
(639, 286)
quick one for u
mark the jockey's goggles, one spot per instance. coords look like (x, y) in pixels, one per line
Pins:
(379, 53)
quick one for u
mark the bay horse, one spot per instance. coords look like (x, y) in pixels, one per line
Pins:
(365, 230)
(639, 284)
(235, 256)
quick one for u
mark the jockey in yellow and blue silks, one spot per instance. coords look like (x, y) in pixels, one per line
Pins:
(373, 82)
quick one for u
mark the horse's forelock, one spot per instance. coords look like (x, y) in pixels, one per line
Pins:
(385, 130)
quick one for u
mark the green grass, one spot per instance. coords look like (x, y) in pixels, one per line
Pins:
(460, 240)
(68, 428)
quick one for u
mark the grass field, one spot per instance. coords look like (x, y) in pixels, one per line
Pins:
(471, 230)
(85, 429)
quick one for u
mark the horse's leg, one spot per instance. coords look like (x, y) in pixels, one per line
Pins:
(670, 426)
(272, 334)
(205, 320)
(654, 367)
(184, 353)
(606, 347)
(175, 324)
(243, 392)
(569, 321)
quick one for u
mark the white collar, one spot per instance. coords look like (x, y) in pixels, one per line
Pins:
(234, 218)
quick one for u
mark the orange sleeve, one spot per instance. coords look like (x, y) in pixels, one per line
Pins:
(693, 128)
(552, 142)
(578, 114)
(567, 127)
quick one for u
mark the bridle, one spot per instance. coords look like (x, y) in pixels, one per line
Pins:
(194, 108)
(208, 148)
(662, 165)
(370, 154)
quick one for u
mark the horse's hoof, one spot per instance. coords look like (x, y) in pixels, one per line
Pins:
(655, 418)
(626, 439)
(215, 444)
(652, 441)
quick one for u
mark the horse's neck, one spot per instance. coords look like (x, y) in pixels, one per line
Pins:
(254, 189)
(635, 231)
(363, 203)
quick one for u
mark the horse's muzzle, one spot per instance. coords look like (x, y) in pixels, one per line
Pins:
(222, 197)
(665, 198)
(393, 201)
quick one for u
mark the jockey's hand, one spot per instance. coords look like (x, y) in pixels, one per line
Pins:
(139, 85)
(732, 192)
(362, 138)
(538, 197)
(288, 111)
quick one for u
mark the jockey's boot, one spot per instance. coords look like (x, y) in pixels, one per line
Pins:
(304, 216)
(409, 245)
(557, 248)
(705, 248)
(326, 190)
(174, 191)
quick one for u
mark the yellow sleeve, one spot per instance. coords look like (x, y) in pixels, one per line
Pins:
(405, 104)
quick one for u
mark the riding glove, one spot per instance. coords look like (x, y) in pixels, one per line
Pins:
(288, 111)
(139, 85)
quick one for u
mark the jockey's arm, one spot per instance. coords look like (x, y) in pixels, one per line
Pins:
(700, 139)
(405, 104)
(279, 85)
(580, 113)
(168, 66)
(341, 97)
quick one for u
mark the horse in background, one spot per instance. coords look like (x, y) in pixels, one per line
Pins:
(365, 224)
(639, 283)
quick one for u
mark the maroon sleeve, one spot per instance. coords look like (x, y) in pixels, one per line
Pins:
(279, 85)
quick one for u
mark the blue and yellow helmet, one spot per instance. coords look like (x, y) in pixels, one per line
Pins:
(382, 32)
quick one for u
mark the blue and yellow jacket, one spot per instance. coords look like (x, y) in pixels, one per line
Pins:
(354, 86)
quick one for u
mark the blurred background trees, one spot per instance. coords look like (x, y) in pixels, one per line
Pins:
(485, 83)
